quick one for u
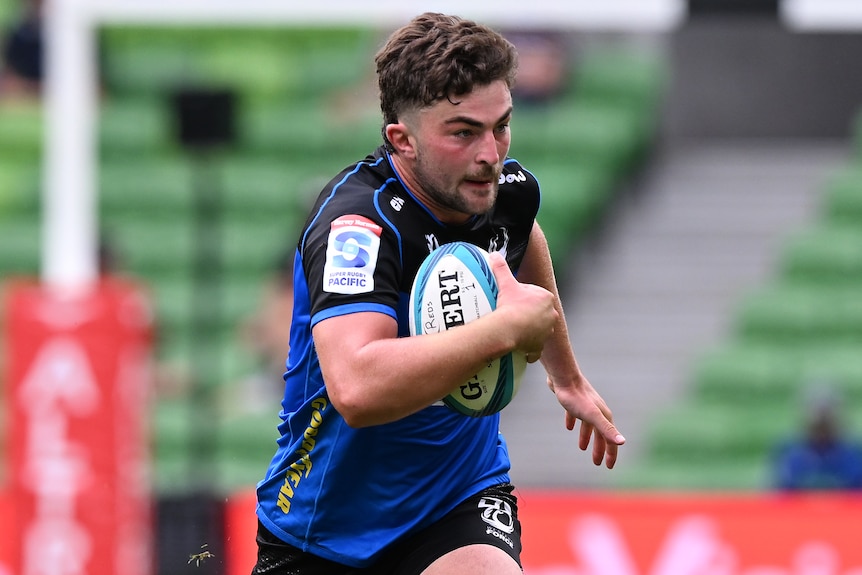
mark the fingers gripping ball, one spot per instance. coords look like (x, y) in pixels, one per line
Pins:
(454, 286)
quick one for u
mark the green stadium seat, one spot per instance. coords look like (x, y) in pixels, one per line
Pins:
(149, 246)
(21, 131)
(173, 342)
(171, 428)
(609, 135)
(333, 57)
(843, 196)
(173, 298)
(166, 185)
(242, 443)
(310, 131)
(604, 136)
(242, 297)
(746, 373)
(824, 254)
(149, 186)
(701, 475)
(283, 70)
(741, 372)
(285, 128)
(20, 245)
(259, 68)
(802, 313)
(745, 402)
(239, 452)
(133, 127)
(574, 199)
(246, 447)
(272, 187)
(145, 61)
(9, 13)
(20, 191)
(836, 365)
(253, 245)
(629, 76)
(264, 62)
(700, 431)
(234, 473)
(529, 143)
(171, 423)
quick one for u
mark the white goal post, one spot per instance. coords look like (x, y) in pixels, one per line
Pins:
(69, 220)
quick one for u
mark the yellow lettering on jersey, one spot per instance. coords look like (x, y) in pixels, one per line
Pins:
(304, 463)
(294, 473)
(283, 502)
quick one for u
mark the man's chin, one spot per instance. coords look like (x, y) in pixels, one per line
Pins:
(482, 205)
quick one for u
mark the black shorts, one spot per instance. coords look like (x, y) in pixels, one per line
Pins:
(489, 517)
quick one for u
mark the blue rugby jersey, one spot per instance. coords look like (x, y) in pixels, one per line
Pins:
(345, 494)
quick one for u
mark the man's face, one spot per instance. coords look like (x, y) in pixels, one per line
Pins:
(459, 152)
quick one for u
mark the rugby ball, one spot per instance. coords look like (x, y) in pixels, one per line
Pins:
(454, 286)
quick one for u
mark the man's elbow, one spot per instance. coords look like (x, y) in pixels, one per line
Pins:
(353, 407)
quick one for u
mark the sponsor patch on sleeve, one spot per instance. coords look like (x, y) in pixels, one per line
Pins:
(351, 255)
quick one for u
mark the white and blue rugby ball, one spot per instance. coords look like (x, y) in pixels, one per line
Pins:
(454, 286)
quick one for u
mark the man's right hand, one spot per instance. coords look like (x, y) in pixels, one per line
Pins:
(531, 314)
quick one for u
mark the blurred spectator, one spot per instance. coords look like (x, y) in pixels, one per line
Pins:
(824, 458)
(265, 334)
(22, 57)
(542, 65)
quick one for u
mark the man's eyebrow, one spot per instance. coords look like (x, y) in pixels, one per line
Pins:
(476, 123)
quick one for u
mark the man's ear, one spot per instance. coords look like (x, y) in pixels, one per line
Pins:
(401, 139)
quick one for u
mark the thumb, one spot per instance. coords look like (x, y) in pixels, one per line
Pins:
(500, 269)
(612, 434)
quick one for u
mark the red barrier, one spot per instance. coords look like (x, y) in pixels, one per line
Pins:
(652, 534)
(240, 530)
(569, 533)
(7, 531)
(78, 375)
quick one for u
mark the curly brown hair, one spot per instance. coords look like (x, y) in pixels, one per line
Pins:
(436, 56)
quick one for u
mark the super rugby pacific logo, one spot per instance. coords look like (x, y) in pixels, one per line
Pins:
(351, 255)
(353, 247)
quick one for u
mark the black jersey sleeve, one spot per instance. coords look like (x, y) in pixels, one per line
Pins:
(349, 254)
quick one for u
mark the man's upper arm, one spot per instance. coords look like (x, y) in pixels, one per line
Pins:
(339, 339)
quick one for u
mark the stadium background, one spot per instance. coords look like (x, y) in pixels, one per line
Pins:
(702, 198)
